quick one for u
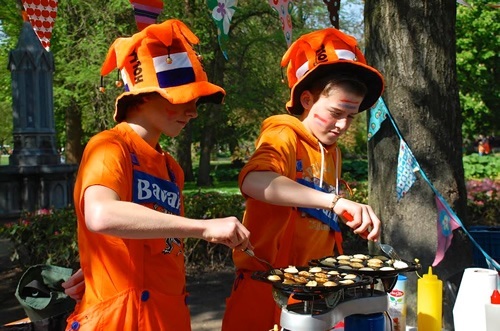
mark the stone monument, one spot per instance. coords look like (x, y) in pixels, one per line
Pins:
(35, 177)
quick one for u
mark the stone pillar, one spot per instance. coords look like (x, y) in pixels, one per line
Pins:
(34, 132)
(35, 177)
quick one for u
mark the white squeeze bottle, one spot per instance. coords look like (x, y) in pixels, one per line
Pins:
(493, 312)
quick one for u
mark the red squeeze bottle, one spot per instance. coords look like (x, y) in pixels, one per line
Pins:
(492, 311)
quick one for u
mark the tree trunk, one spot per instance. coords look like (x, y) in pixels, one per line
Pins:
(413, 44)
(206, 146)
(184, 141)
(212, 118)
(74, 133)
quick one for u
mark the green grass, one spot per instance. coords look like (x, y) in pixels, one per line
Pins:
(4, 160)
(220, 187)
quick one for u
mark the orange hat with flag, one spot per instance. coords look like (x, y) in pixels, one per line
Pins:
(319, 53)
(161, 59)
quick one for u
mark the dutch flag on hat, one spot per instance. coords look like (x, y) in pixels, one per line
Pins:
(177, 72)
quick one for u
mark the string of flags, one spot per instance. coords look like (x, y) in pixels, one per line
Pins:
(407, 167)
(42, 14)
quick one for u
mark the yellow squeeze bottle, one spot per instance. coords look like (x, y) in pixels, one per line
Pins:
(429, 302)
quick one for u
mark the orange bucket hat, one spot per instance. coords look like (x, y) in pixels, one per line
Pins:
(316, 54)
(161, 59)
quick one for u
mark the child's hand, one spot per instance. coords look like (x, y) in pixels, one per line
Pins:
(228, 231)
(359, 217)
(74, 287)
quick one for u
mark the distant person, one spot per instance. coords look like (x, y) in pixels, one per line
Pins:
(128, 192)
(291, 182)
(487, 145)
(480, 148)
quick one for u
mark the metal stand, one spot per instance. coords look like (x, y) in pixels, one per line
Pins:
(316, 316)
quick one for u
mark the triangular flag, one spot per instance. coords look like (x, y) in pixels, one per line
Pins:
(333, 10)
(42, 16)
(284, 8)
(222, 14)
(462, 2)
(407, 166)
(446, 223)
(377, 115)
(146, 12)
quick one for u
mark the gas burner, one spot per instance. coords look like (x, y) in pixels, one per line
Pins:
(319, 316)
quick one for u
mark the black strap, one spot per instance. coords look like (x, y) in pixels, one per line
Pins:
(35, 288)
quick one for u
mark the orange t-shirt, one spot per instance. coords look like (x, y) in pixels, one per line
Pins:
(284, 144)
(281, 235)
(131, 284)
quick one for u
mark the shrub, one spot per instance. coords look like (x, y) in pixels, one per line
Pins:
(483, 202)
(44, 237)
(478, 167)
(207, 205)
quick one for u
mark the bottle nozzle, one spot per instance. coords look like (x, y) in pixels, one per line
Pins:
(495, 297)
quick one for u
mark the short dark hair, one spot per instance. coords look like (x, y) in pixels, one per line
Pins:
(324, 85)
(129, 101)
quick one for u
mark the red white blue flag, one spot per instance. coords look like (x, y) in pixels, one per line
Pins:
(446, 223)
(146, 12)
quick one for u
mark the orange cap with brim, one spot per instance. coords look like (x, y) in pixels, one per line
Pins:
(319, 53)
(161, 59)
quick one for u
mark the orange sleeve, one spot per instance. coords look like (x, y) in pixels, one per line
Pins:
(276, 150)
(107, 162)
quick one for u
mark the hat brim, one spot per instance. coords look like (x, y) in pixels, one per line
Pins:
(368, 75)
(206, 92)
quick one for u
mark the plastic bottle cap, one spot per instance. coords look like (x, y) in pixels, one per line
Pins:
(429, 274)
(495, 297)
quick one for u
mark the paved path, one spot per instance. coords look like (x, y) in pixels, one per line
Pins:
(208, 292)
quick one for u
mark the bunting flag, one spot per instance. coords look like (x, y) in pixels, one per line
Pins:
(333, 10)
(462, 2)
(146, 12)
(377, 115)
(407, 166)
(222, 14)
(284, 8)
(42, 16)
(447, 221)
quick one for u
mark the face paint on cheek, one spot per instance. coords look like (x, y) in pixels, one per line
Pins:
(320, 119)
(171, 114)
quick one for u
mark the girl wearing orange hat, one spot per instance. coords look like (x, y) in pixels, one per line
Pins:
(291, 181)
(128, 190)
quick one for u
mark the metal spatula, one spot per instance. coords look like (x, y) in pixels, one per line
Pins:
(252, 254)
(389, 250)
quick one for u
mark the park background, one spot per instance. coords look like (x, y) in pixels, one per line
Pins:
(458, 105)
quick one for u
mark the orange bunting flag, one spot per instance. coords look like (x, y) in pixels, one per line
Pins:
(146, 12)
(42, 16)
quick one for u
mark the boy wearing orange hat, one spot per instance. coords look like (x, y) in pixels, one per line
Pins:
(128, 190)
(291, 182)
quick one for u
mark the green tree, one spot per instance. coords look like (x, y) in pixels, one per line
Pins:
(82, 34)
(478, 49)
